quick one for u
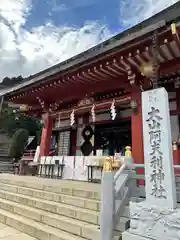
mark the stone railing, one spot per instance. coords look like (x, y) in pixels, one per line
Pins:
(139, 177)
(116, 190)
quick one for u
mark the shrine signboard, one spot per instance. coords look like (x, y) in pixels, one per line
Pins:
(158, 159)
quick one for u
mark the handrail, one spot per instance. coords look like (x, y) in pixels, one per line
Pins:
(142, 166)
(118, 173)
(116, 189)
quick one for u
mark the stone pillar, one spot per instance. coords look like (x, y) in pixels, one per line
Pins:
(46, 136)
(158, 216)
(107, 202)
(159, 172)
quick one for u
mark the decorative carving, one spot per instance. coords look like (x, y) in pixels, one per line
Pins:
(155, 222)
(85, 102)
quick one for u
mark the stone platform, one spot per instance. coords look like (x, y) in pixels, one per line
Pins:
(153, 222)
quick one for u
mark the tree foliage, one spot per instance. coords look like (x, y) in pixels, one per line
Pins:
(11, 121)
(19, 141)
(12, 81)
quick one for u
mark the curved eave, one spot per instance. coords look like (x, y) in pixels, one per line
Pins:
(107, 47)
(111, 71)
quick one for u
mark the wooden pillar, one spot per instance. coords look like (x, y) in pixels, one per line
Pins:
(46, 136)
(137, 135)
(137, 131)
(177, 155)
(178, 102)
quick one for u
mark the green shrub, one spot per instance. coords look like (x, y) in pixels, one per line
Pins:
(18, 144)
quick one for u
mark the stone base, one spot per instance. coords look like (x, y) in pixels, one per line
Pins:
(152, 222)
(129, 236)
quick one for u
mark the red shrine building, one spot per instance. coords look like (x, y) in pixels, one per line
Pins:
(95, 97)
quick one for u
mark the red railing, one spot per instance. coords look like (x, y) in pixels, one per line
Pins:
(28, 155)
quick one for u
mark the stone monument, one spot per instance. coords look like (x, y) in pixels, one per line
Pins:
(158, 216)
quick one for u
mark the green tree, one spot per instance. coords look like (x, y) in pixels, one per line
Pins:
(11, 121)
(19, 141)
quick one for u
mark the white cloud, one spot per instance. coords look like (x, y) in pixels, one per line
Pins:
(27, 52)
(133, 12)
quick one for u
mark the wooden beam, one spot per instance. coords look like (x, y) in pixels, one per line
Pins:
(169, 47)
(170, 66)
(113, 69)
(133, 61)
(107, 72)
(118, 66)
(122, 100)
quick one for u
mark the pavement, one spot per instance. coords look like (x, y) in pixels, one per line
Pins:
(9, 233)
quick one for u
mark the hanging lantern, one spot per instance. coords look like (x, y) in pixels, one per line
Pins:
(113, 110)
(93, 113)
(72, 118)
(147, 69)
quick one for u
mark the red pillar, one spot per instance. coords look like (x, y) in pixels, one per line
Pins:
(137, 131)
(46, 136)
(176, 152)
(137, 134)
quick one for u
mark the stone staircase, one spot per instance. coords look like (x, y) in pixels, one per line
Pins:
(49, 209)
(6, 165)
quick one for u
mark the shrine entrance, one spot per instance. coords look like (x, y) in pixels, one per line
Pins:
(113, 137)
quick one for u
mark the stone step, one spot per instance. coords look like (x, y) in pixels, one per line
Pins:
(4, 158)
(67, 187)
(65, 210)
(35, 229)
(50, 196)
(79, 228)
(85, 215)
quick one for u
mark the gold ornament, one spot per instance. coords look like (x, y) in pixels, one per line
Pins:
(108, 165)
(147, 69)
(24, 108)
(128, 152)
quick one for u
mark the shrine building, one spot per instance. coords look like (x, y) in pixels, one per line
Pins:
(92, 101)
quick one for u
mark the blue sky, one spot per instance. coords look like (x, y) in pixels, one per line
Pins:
(76, 13)
(36, 34)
